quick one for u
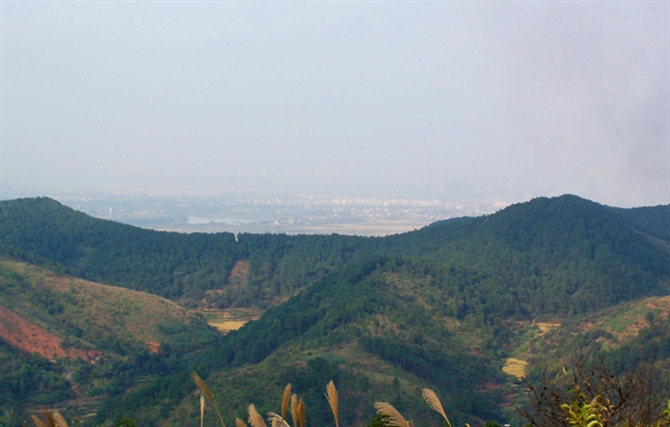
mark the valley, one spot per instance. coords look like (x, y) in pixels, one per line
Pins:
(471, 308)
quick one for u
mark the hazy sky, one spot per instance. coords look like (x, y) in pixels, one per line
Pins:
(414, 99)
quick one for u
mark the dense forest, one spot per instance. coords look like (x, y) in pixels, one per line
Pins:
(443, 307)
(548, 252)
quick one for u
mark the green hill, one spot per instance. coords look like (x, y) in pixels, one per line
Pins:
(557, 256)
(65, 340)
(447, 318)
(181, 267)
(550, 253)
(443, 307)
(364, 327)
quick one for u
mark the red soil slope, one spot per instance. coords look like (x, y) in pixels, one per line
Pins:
(20, 333)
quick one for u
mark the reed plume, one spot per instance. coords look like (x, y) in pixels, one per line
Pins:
(331, 395)
(37, 421)
(277, 420)
(432, 400)
(301, 412)
(284, 401)
(202, 409)
(58, 419)
(395, 419)
(255, 419)
(205, 390)
(294, 409)
(239, 423)
(53, 419)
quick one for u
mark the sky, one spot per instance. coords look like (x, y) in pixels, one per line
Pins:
(418, 99)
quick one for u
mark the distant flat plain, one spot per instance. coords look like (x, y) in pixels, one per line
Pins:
(294, 214)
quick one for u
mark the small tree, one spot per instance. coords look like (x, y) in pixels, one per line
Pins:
(590, 395)
(380, 420)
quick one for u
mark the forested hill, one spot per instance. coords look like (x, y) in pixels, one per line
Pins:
(441, 307)
(438, 307)
(549, 255)
(377, 317)
(174, 265)
(555, 255)
(654, 221)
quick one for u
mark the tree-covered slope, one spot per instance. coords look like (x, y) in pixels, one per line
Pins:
(654, 220)
(64, 341)
(384, 327)
(174, 265)
(556, 255)
(553, 256)
(375, 326)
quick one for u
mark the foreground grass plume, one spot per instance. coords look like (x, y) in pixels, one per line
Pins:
(285, 401)
(276, 420)
(294, 409)
(301, 412)
(255, 419)
(53, 419)
(580, 415)
(296, 405)
(205, 390)
(202, 409)
(395, 419)
(432, 400)
(331, 395)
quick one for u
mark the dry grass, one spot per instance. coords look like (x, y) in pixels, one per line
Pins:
(276, 420)
(285, 401)
(516, 367)
(434, 403)
(294, 409)
(202, 409)
(297, 406)
(395, 418)
(331, 395)
(547, 326)
(301, 413)
(225, 327)
(227, 320)
(53, 419)
(205, 390)
(255, 419)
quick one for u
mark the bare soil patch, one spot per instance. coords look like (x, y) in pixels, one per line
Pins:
(240, 270)
(20, 333)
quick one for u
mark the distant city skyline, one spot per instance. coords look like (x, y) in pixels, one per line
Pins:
(427, 100)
